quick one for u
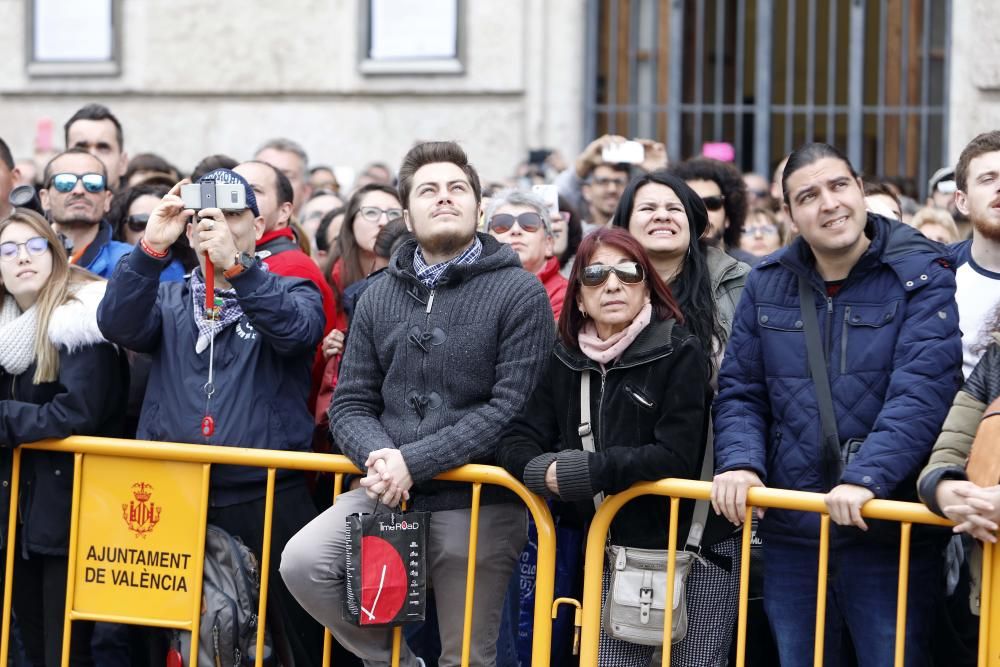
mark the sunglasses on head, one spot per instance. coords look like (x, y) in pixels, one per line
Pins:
(629, 273)
(36, 245)
(713, 203)
(65, 182)
(137, 223)
(504, 222)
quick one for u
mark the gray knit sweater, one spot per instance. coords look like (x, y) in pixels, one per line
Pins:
(438, 374)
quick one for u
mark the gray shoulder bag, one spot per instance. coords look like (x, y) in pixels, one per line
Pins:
(635, 606)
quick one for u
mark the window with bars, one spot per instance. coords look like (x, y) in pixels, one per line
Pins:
(869, 76)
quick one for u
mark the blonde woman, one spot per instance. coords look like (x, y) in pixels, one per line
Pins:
(937, 225)
(58, 377)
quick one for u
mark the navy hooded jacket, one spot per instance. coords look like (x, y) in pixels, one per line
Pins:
(893, 354)
(262, 364)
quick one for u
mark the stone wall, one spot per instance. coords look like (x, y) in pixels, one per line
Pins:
(224, 76)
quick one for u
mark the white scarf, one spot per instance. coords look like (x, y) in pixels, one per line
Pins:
(17, 336)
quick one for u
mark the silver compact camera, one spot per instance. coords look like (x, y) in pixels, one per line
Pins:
(224, 196)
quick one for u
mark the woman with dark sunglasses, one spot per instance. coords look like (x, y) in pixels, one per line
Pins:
(522, 220)
(128, 215)
(649, 401)
(58, 377)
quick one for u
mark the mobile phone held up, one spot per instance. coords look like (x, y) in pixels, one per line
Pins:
(629, 152)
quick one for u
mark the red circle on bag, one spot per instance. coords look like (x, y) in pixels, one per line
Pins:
(383, 581)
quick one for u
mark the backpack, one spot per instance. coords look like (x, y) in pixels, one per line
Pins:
(229, 598)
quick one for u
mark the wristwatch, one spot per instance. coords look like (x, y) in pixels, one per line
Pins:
(244, 261)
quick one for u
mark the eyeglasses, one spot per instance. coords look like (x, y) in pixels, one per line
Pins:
(373, 213)
(501, 223)
(66, 181)
(35, 246)
(760, 194)
(713, 203)
(607, 182)
(764, 230)
(137, 223)
(629, 273)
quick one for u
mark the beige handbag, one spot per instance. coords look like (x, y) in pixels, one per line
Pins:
(634, 610)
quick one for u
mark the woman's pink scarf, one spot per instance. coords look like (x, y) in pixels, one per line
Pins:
(605, 351)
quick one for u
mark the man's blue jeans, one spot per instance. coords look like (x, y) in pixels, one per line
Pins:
(861, 602)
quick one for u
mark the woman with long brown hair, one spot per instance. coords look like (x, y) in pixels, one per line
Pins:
(58, 377)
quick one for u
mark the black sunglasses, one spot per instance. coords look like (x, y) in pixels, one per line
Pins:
(713, 203)
(137, 223)
(629, 273)
(502, 223)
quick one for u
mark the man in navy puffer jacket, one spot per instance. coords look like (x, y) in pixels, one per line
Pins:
(884, 297)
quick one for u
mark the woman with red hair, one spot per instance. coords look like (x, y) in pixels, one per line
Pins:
(622, 333)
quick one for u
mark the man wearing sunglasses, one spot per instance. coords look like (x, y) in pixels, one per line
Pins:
(77, 198)
(724, 193)
(521, 220)
(9, 174)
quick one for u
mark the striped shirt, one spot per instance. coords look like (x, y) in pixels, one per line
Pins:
(430, 274)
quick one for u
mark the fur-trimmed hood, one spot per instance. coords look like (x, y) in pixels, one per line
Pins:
(73, 325)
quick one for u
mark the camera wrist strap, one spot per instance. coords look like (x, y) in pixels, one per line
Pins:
(212, 315)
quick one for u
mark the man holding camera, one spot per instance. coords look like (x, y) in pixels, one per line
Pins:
(236, 374)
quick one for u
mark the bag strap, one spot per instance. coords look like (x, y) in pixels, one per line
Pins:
(700, 515)
(586, 432)
(821, 381)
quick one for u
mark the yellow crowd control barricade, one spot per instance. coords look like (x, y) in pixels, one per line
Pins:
(137, 535)
(906, 514)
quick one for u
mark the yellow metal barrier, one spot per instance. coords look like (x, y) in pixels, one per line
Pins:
(905, 513)
(477, 475)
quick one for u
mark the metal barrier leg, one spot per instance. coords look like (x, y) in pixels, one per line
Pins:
(338, 486)
(265, 567)
(470, 577)
(668, 607)
(986, 606)
(741, 620)
(904, 578)
(824, 561)
(8, 577)
(71, 565)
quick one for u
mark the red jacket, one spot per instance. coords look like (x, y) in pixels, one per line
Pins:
(555, 285)
(291, 261)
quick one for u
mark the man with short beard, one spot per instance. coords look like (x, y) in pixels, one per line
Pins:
(977, 176)
(443, 352)
(76, 196)
(9, 174)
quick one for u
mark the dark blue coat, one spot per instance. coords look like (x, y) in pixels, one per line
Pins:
(262, 364)
(88, 397)
(894, 362)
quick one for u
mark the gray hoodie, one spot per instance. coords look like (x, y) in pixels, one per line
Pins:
(439, 373)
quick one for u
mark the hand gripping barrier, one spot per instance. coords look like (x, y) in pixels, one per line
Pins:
(141, 513)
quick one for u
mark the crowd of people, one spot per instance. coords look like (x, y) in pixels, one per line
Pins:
(585, 325)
